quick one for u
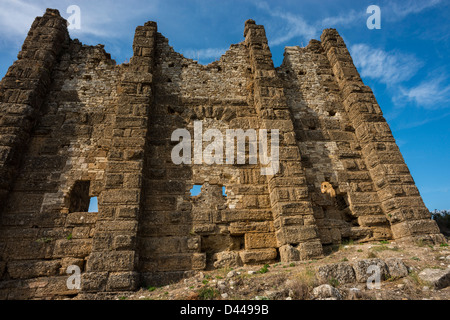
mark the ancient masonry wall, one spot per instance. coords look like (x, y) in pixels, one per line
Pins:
(74, 125)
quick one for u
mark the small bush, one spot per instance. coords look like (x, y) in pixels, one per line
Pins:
(442, 219)
(264, 269)
(207, 293)
(151, 289)
(333, 282)
(301, 285)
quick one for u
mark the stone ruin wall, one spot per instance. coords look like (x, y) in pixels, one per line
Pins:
(75, 125)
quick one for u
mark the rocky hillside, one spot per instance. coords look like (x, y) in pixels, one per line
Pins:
(406, 272)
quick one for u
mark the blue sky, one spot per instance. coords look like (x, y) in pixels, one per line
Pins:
(406, 62)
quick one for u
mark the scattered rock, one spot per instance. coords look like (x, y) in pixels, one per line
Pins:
(396, 268)
(436, 277)
(343, 272)
(251, 272)
(226, 259)
(231, 274)
(365, 268)
(275, 294)
(224, 295)
(289, 253)
(326, 291)
(354, 294)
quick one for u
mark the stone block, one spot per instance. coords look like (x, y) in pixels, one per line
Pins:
(260, 240)
(122, 281)
(342, 272)
(33, 269)
(258, 255)
(112, 261)
(77, 248)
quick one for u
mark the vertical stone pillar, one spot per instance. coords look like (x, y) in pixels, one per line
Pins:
(296, 230)
(113, 262)
(400, 198)
(23, 90)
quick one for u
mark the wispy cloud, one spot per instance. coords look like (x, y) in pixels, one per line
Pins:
(204, 56)
(388, 67)
(401, 9)
(430, 94)
(98, 18)
(294, 25)
(347, 18)
(415, 124)
(16, 17)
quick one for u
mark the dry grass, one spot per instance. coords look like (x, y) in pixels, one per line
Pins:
(301, 285)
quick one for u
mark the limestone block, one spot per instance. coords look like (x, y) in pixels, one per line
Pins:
(288, 253)
(260, 240)
(258, 255)
(226, 259)
(396, 267)
(122, 281)
(343, 272)
(362, 269)
(111, 261)
(33, 269)
(77, 248)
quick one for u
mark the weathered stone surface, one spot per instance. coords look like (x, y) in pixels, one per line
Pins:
(33, 269)
(288, 253)
(258, 255)
(326, 292)
(369, 267)
(342, 272)
(227, 259)
(436, 277)
(396, 267)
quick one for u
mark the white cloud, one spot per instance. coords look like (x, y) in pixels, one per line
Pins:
(204, 54)
(98, 18)
(294, 26)
(16, 17)
(405, 8)
(431, 94)
(388, 67)
(346, 18)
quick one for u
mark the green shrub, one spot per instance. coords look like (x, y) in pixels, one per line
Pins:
(207, 293)
(264, 269)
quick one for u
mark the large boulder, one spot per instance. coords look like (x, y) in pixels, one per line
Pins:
(396, 268)
(342, 272)
(363, 269)
(436, 277)
(326, 292)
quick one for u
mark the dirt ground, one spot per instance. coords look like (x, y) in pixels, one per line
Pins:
(295, 281)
